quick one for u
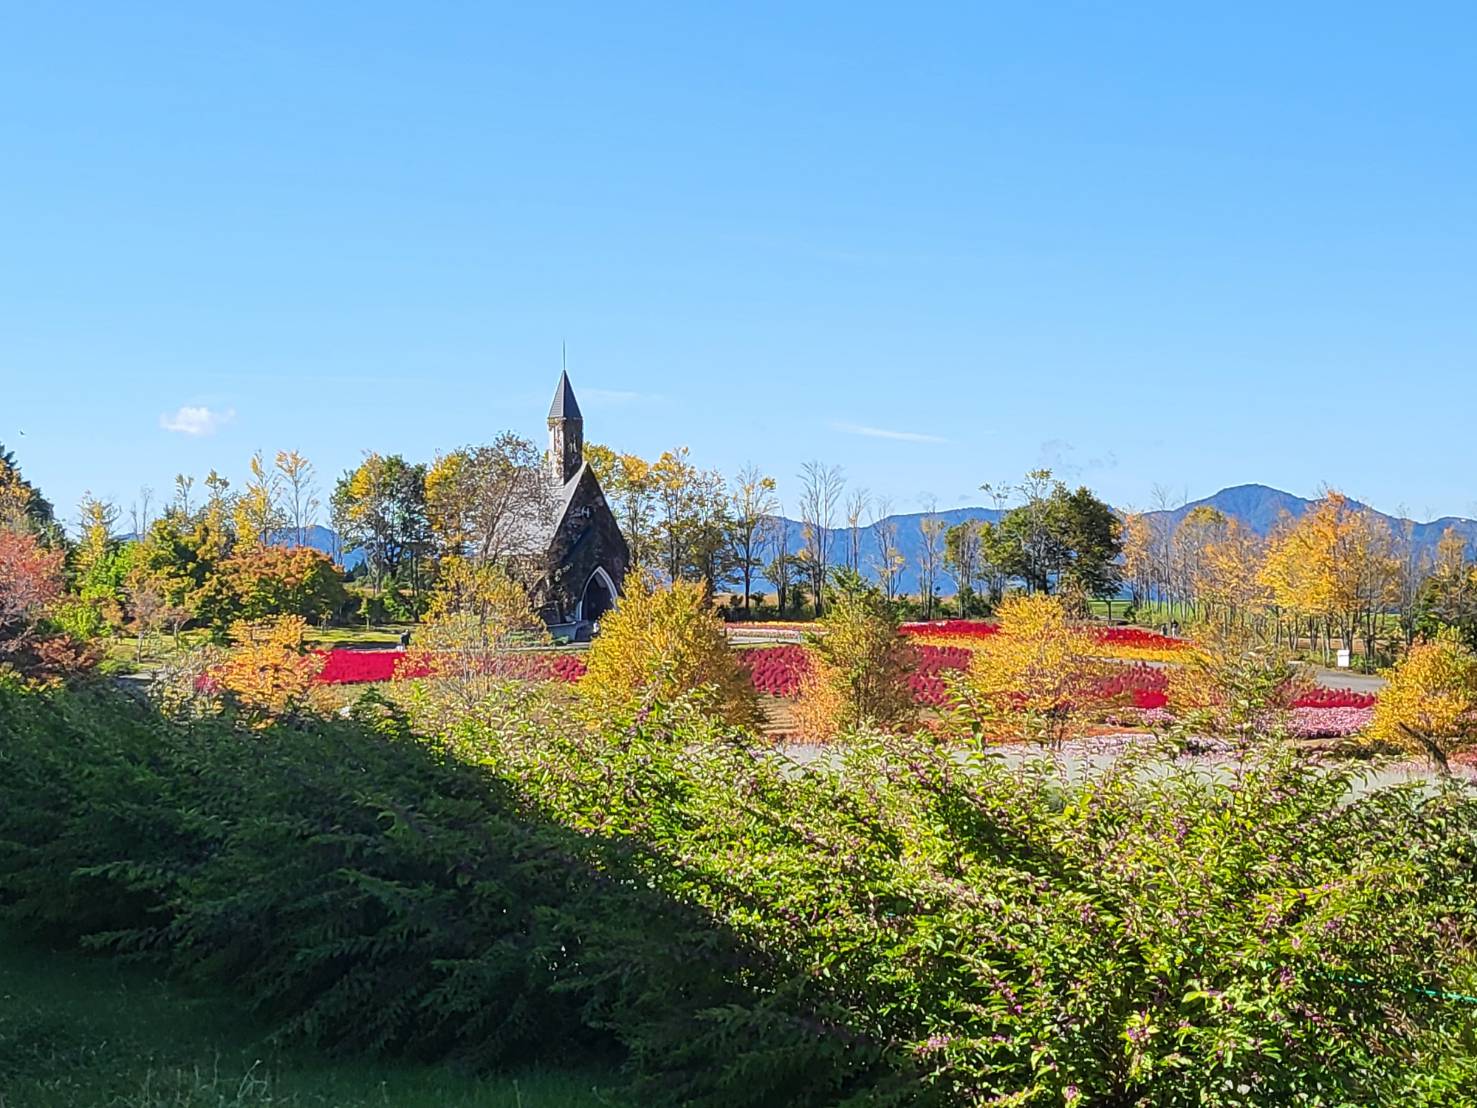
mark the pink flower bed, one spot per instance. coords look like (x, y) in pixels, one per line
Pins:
(779, 670)
(1320, 723)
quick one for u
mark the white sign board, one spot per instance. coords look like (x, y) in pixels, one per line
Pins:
(1343, 658)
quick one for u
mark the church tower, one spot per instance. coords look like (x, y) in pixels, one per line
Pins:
(566, 433)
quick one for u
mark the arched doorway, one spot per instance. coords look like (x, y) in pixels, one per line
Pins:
(598, 597)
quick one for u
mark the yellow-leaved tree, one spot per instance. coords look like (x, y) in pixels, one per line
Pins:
(1037, 678)
(859, 667)
(665, 642)
(1334, 570)
(480, 632)
(1429, 705)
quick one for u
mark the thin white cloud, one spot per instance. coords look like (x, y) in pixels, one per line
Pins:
(196, 420)
(885, 433)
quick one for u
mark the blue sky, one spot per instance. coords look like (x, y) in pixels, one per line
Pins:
(935, 245)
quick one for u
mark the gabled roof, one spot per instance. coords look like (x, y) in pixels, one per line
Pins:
(565, 406)
(536, 530)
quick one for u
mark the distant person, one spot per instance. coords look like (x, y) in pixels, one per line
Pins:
(404, 640)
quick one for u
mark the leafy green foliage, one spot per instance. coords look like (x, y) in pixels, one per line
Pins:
(898, 927)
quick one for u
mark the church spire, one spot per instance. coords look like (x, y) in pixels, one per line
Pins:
(566, 433)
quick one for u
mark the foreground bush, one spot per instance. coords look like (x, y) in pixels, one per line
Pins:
(899, 929)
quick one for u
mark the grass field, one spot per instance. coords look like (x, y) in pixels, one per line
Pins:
(79, 1032)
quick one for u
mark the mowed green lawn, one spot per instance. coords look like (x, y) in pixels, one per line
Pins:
(77, 1031)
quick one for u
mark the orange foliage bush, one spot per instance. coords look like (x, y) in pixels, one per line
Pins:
(268, 673)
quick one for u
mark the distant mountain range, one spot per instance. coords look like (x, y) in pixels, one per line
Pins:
(1260, 507)
(1256, 506)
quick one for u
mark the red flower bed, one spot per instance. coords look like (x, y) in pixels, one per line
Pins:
(357, 667)
(927, 681)
(776, 670)
(1335, 698)
(1141, 685)
(1138, 639)
(957, 628)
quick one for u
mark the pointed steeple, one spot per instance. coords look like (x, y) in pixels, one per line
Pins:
(566, 433)
(565, 406)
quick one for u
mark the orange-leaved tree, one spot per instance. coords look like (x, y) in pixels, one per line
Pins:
(663, 643)
(1038, 678)
(268, 673)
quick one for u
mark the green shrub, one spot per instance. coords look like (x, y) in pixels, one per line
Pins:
(899, 928)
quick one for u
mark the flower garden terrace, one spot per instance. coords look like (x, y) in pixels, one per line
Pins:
(1134, 696)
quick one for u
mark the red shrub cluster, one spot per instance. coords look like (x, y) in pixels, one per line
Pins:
(776, 670)
(1335, 698)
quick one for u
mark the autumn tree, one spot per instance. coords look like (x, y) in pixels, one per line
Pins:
(479, 625)
(484, 502)
(664, 643)
(95, 607)
(693, 522)
(269, 581)
(32, 580)
(379, 508)
(630, 487)
(22, 507)
(258, 509)
(299, 484)
(1447, 597)
(1236, 686)
(268, 674)
(889, 561)
(1429, 703)
(752, 506)
(1334, 571)
(820, 496)
(859, 666)
(1037, 678)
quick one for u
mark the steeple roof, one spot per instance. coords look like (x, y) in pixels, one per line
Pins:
(565, 406)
